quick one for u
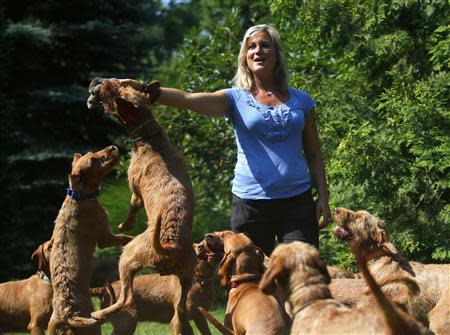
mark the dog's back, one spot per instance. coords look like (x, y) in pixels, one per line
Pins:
(25, 304)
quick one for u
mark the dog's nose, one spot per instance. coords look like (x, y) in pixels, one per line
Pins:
(337, 210)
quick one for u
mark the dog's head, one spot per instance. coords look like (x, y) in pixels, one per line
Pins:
(41, 257)
(292, 266)
(207, 260)
(89, 170)
(124, 104)
(364, 228)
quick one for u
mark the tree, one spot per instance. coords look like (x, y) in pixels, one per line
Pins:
(51, 51)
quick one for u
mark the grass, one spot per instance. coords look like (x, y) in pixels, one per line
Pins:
(154, 328)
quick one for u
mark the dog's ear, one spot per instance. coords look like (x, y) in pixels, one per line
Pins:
(75, 182)
(40, 261)
(76, 157)
(380, 236)
(274, 271)
(224, 268)
(261, 257)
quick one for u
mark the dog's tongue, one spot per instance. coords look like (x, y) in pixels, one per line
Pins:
(341, 233)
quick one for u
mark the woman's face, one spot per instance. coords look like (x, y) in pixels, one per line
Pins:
(261, 54)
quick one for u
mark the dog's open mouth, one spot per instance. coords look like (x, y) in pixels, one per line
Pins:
(209, 255)
(109, 157)
(342, 233)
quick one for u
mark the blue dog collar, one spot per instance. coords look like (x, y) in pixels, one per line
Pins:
(81, 197)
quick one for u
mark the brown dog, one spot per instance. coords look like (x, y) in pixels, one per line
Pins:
(27, 304)
(160, 182)
(156, 296)
(414, 286)
(440, 315)
(297, 268)
(80, 225)
(248, 311)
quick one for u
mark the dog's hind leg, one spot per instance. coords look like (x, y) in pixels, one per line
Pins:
(180, 321)
(133, 258)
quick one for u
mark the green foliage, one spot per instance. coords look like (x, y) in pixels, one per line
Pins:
(380, 74)
(49, 52)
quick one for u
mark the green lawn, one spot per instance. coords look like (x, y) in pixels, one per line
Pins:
(153, 328)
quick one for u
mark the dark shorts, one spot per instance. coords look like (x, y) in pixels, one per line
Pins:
(282, 220)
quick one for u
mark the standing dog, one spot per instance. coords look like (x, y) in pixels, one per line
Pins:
(248, 311)
(414, 286)
(297, 268)
(27, 304)
(156, 297)
(80, 225)
(159, 181)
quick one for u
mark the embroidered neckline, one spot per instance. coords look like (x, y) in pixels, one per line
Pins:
(276, 118)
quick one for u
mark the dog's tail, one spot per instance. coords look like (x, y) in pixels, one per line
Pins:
(397, 323)
(165, 249)
(100, 293)
(216, 323)
(83, 322)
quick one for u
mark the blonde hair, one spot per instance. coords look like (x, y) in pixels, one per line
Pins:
(244, 77)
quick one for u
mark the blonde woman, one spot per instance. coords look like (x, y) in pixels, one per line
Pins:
(279, 158)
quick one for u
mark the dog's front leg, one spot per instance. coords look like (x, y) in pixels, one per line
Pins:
(135, 206)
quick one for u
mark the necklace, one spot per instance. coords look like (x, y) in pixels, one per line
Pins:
(268, 93)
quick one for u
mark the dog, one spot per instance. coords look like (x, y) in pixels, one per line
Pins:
(351, 292)
(298, 269)
(156, 297)
(413, 286)
(248, 310)
(440, 315)
(81, 224)
(159, 181)
(26, 305)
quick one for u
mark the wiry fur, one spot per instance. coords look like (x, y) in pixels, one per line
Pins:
(297, 268)
(160, 183)
(414, 286)
(79, 226)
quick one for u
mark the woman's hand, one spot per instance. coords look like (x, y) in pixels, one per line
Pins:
(323, 210)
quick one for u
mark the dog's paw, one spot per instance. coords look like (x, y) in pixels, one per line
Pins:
(97, 315)
(126, 225)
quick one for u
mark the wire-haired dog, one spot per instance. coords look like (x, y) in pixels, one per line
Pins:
(81, 224)
(414, 286)
(159, 181)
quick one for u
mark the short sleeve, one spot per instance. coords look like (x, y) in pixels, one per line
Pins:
(307, 102)
(233, 94)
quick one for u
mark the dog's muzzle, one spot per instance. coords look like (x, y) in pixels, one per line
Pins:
(94, 99)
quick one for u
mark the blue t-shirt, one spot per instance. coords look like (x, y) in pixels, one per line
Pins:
(270, 162)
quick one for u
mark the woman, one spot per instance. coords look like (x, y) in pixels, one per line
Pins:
(274, 125)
